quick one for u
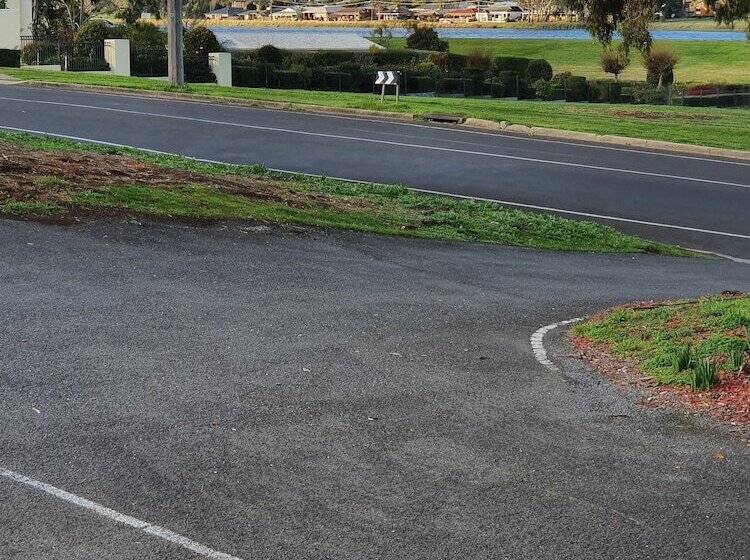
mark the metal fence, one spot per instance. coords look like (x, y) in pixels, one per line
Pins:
(69, 56)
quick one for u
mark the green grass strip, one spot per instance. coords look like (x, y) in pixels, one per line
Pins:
(374, 208)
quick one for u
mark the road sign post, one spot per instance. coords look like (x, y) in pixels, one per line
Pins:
(388, 78)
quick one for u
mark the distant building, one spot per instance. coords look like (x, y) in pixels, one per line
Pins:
(227, 12)
(286, 13)
(460, 14)
(393, 13)
(503, 11)
(352, 14)
(320, 13)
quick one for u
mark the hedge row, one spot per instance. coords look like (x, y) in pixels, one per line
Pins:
(10, 58)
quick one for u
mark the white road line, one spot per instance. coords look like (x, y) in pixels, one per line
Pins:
(426, 191)
(585, 214)
(381, 120)
(133, 522)
(537, 342)
(385, 142)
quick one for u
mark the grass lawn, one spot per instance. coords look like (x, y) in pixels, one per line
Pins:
(52, 177)
(669, 343)
(700, 61)
(724, 128)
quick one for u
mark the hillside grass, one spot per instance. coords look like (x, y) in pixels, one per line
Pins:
(700, 61)
(180, 188)
(709, 126)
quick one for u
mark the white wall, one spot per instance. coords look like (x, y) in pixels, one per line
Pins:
(10, 28)
(14, 22)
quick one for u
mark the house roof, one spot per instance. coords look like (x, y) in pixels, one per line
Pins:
(225, 11)
(322, 9)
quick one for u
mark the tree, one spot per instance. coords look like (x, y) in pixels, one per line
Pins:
(201, 41)
(660, 62)
(425, 39)
(729, 11)
(630, 17)
(614, 61)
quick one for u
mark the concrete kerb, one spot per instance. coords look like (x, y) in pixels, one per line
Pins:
(481, 124)
(624, 141)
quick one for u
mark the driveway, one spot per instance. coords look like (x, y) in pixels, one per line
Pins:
(290, 393)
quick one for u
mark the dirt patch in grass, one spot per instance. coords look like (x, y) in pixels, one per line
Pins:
(632, 345)
(52, 176)
(654, 116)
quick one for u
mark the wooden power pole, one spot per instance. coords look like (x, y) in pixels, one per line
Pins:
(174, 43)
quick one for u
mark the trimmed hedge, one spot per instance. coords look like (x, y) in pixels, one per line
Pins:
(576, 88)
(538, 69)
(515, 64)
(604, 91)
(10, 58)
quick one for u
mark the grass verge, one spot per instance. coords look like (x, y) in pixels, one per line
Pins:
(668, 342)
(723, 128)
(46, 176)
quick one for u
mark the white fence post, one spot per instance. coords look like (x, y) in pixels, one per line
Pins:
(117, 55)
(221, 66)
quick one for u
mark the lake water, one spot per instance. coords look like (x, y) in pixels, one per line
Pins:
(234, 35)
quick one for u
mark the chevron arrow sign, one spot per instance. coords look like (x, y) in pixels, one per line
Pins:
(387, 78)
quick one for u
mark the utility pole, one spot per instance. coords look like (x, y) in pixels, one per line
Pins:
(174, 43)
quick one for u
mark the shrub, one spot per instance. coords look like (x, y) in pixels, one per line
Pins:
(398, 57)
(245, 76)
(538, 69)
(560, 77)
(603, 91)
(148, 61)
(142, 34)
(32, 52)
(200, 41)
(421, 84)
(448, 62)
(510, 82)
(425, 39)
(269, 54)
(93, 31)
(288, 79)
(659, 63)
(10, 58)
(614, 61)
(197, 70)
(511, 64)
(648, 96)
(428, 69)
(702, 89)
(478, 59)
(576, 88)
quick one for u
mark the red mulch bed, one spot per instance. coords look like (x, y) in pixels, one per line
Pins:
(727, 401)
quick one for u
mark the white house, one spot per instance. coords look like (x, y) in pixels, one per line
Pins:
(286, 13)
(320, 13)
(503, 11)
(15, 22)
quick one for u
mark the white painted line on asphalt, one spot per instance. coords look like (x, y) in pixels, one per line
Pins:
(385, 142)
(537, 342)
(495, 134)
(426, 191)
(113, 515)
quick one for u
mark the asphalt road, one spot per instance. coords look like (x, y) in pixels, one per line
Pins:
(285, 394)
(707, 200)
